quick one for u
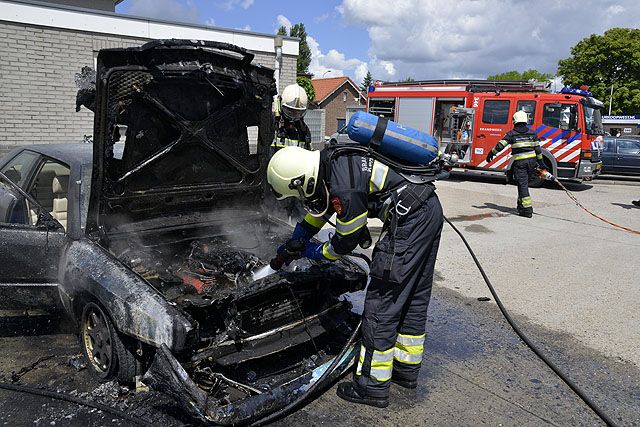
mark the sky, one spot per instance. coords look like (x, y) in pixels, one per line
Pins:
(420, 39)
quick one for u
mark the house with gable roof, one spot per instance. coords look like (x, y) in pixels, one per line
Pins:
(340, 97)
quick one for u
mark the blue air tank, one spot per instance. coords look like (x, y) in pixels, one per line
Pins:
(392, 139)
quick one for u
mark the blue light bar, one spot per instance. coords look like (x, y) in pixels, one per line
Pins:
(576, 91)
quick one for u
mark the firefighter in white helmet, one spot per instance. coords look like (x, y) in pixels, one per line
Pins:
(356, 187)
(527, 154)
(290, 109)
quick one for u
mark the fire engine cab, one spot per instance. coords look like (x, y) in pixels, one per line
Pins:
(468, 117)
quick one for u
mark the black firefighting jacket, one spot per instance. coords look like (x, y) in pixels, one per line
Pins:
(524, 143)
(359, 187)
(292, 133)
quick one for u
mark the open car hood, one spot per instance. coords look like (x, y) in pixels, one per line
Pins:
(195, 118)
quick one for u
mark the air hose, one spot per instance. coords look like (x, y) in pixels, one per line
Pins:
(535, 349)
(76, 400)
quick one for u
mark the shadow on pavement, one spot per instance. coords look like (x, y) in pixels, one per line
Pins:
(626, 205)
(495, 207)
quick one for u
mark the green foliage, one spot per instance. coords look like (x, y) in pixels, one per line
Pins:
(408, 79)
(282, 31)
(308, 87)
(304, 53)
(600, 61)
(366, 82)
(525, 75)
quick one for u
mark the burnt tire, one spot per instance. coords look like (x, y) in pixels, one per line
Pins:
(107, 355)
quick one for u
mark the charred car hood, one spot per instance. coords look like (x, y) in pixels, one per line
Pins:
(195, 118)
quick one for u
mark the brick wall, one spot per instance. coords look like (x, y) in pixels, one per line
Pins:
(336, 107)
(37, 81)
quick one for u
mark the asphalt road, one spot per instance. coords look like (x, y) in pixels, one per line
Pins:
(569, 280)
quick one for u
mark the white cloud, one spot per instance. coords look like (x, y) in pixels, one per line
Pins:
(245, 28)
(615, 9)
(245, 4)
(283, 22)
(321, 18)
(334, 64)
(427, 39)
(165, 9)
(211, 22)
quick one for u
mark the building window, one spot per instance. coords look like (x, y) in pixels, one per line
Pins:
(344, 96)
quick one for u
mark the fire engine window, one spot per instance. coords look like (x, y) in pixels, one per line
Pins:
(561, 116)
(496, 112)
(528, 107)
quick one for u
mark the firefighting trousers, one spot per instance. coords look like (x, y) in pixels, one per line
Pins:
(395, 310)
(523, 170)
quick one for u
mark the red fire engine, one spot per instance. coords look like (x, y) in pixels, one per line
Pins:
(468, 117)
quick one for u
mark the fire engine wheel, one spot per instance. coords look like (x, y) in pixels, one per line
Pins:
(107, 355)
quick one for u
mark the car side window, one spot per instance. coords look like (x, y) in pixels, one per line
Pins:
(627, 146)
(18, 168)
(609, 145)
(49, 188)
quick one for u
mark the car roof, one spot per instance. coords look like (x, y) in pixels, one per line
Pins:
(68, 153)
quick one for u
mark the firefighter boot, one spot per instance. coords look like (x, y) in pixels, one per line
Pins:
(347, 392)
(404, 383)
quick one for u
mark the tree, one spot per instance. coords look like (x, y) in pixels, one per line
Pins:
(602, 61)
(366, 82)
(408, 79)
(525, 75)
(304, 53)
(308, 88)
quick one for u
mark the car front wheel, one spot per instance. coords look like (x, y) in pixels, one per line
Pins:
(104, 348)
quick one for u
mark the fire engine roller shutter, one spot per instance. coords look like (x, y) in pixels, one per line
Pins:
(415, 113)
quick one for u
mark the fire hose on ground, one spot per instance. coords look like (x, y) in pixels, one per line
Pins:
(296, 403)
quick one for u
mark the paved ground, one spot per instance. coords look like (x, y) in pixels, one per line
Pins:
(570, 281)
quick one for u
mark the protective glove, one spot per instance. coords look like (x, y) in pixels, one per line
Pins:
(288, 252)
(490, 156)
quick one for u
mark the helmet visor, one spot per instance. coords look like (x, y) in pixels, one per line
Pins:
(292, 113)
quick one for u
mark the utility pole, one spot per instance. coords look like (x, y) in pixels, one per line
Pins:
(611, 99)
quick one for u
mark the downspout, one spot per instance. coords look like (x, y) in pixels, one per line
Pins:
(277, 44)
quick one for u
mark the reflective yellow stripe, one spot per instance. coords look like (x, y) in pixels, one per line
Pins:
(329, 252)
(381, 363)
(345, 228)
(526, 201)
(524, 144)
(314, 222)
(502, 143)
(539, 156)
(524, 156)
(410, 339)
(378, 176)
(409, 349)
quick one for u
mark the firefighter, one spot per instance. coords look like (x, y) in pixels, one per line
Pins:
(291, 130)
(356, 188)
(526, 152)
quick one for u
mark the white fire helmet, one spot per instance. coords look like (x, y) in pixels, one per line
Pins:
(293, 171)
(293, 102)
(520, 117)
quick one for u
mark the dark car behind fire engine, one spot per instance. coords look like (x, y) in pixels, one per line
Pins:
(150, 247)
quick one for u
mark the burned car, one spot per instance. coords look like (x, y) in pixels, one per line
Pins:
(163, 229)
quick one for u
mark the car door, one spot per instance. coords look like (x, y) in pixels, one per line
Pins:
(628, 156)
(31, 238)
(608, 155)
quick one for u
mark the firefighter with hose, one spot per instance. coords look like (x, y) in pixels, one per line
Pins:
(527, 154)
(357, 187)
